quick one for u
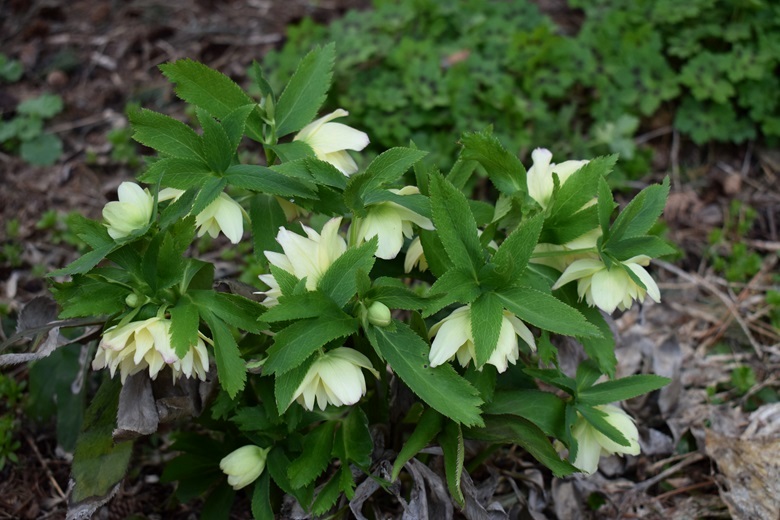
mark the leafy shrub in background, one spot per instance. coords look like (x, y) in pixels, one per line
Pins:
(426, 70)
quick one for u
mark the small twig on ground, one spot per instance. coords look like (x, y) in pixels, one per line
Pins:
(728, 302)
(45, 466)
(685, 489)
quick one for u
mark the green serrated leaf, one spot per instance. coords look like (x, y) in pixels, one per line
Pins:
(295, 343)
(339, 280)
(621, 389)
(455, 225)
(235, 123)
(166, 135)
(210, 190)
(300, 306)
(580, 187)
(487, 315)
(184, 327)
(507, 428)
(456, 285)
(606, 204)
(277, 464)
(305, 92)
(514, 253)
(648, 245)
(353, 440)
(441, 387)
(327, 496)
(546, 312)
(504, 169)
(641, 213)
(261, 498)
(316, 455)
(428, 426)
(217, 148)
(597, 419)
(182, 174)
(286, 384)
(267, 217)
(388, 167)
(231, 308)
(265, 180)
(231, 368)
(451, 440)
(544, 409)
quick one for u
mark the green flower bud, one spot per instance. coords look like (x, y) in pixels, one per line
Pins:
(379, 314)
(132, 300)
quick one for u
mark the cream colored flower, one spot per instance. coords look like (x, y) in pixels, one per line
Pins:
(562, 261)
(540, 176)
(592, 444)
(138, 345)
(132, 211)
(453, 339)
(244, 465)
(305, 257)
(390, 222)
(223, 214)
(610, 289)
(415, 256)
(330, 141)
(334, 378)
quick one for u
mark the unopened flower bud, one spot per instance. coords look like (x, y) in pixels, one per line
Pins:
(244, 465)
(379, 314)
(132, 300)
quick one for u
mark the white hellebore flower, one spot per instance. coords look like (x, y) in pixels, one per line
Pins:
(592, 444)
(334, 378)
(140, 344)
(453, 338)
(415, 256)
(610, 289)
(223, 214)
(132, 211)
(390, 222)
(244, 465)
(561, 261)
(330, 141)
(540, 176)
(305, 257)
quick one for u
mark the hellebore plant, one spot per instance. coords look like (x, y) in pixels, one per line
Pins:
(387, 269)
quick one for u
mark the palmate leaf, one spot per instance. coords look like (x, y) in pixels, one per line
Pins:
(305, 92)
(441, 387)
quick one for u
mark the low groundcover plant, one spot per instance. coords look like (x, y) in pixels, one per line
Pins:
(385, 275)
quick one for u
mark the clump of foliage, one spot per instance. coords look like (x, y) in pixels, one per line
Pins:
(455, 298)
(24, 132)
(426, 70)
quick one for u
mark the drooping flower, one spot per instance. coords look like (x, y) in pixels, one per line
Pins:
(610, 289)
(415, 256)
(592, 444)
(244, 465)
(305, 257)
(330, 141)
(334, 378)
(138, 345)
(453, 338)
(223, 214)
(390, 222)
(132, 211)
(540, 176)
(562, 260)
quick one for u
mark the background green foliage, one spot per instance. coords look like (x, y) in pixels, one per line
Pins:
(430, 71)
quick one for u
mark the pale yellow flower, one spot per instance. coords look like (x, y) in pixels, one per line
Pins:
(562, 261)
(244, 465)
(390, 222)
(305, 257)
(415, 256)
(539, 178)
(610, 289)
(452, 338)
(223, 214)
(132, 211)
(330, 141)
(592, 444)
(138, 345)
(334, 378)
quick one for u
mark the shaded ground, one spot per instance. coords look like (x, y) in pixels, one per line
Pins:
(101, 55)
